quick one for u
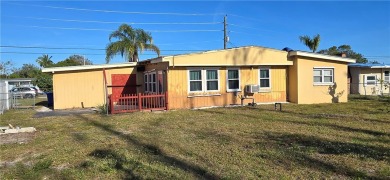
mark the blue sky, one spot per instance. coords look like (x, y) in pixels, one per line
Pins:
(275, 24)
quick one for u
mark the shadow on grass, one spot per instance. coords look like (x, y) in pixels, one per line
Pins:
(152, 150)
(297, 146)
(119, 161)
(324, 146)
(41, 103)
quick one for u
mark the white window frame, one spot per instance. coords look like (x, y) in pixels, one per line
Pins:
(206, 80)
(322, 69)
(366, 80)
(189, 80)
(227, 80)
(269, 78)
(149, 83)
(203, 72)
(386, 78)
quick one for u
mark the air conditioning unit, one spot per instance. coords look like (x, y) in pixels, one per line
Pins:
(252, 88)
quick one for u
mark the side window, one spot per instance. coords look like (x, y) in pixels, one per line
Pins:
(212, 80)
(233, 79)
(387, 76)
(203, 80)
(323, 76)
(370, 80)
(195, 80)
(265, 78)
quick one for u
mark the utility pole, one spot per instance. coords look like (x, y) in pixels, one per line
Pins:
(225, 39)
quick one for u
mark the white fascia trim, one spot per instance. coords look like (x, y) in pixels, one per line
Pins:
(88, 67)
(380, 67)
(321, 56)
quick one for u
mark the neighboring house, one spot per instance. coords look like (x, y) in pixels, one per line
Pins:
(19, 82)
(211, 78)
(369, 79)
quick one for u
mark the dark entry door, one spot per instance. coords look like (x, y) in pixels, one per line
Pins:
(124, 84)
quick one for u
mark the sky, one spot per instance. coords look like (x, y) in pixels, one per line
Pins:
(63, 28)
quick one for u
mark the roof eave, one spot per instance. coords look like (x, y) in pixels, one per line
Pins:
(321, 56)
(87, 67)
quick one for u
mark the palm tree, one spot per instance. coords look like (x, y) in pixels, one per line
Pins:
(312, 44)
(130, 41)
(44, 60)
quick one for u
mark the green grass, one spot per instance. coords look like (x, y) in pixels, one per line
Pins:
(332, 141)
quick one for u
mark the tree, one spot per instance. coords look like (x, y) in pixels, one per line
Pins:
(344, 49)
(5, 68)
(44, 61)
(26, 71)
(130, 41)
(73, 60)
(44, 81)
(311, 43)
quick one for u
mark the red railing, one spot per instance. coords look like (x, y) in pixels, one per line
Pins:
(138, 102)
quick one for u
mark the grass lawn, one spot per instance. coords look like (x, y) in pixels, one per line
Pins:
(338, 141)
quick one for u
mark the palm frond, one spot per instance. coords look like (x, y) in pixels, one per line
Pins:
(153, 47)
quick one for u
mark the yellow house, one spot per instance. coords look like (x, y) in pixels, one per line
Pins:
(212, 78)
(369, 79)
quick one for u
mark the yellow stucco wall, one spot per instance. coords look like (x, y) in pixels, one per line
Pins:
(245, 56)
(307, 92)
(75, 89)
(371, 89)
(292, 90)
(179, 97)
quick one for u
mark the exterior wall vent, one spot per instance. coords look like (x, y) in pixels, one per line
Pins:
(252, 88)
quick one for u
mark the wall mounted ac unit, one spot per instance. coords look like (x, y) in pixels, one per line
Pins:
(252, 88)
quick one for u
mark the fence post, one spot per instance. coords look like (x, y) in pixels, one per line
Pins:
(139, 102)
(166, 100)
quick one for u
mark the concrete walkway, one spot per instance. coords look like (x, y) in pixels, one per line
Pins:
(47, 112)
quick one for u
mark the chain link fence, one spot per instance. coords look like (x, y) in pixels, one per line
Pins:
(20, 100)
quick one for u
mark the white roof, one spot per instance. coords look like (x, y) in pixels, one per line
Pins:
(321, 56)
(88, 67)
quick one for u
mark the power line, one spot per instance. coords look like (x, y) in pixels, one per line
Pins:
(187, 42)
(120, 12)
(42, 47)
(245, 33)
(81, 48)
(97, 29)
(246, 27)
(10, 52)
(117, 22)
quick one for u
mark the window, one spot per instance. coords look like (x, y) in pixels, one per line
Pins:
(203, 80)
(233, 80)
(196, 80)
(212, 80)
(323, 76)
(387, 76)
(150, 82)
(265, 78)
(146, 82)
(370, 80)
